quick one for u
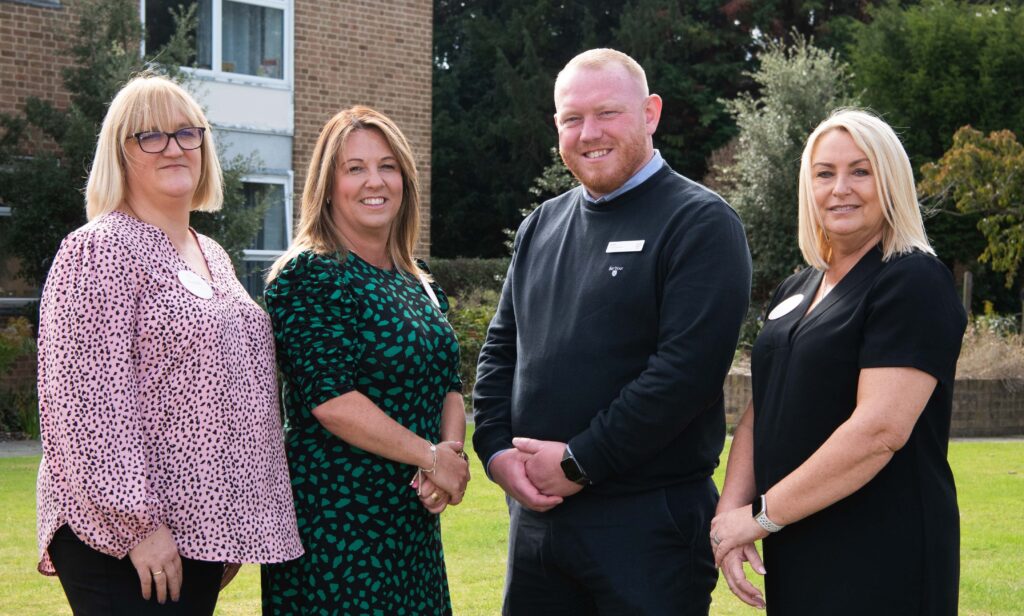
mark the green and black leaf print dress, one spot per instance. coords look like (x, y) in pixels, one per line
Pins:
(343, 325)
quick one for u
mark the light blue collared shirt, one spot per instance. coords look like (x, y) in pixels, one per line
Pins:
(638, 178)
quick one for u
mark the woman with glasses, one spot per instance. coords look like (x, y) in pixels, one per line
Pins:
(163, 463)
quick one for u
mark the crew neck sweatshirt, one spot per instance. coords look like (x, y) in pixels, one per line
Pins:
(615, 329)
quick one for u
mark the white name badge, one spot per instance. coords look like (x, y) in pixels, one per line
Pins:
(630, 246)
(786, 306)
(195, 284)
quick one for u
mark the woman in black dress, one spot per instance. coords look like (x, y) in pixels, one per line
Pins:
(839, 462)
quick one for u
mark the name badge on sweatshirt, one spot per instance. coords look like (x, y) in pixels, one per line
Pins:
(630, 246)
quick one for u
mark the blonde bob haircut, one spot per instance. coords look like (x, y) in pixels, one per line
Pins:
(903, 229)
(604, 57)
(316, 230)
(148, 102)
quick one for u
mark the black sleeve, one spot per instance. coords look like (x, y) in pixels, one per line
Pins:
(705, 293)
(492, 394)
(914, 318)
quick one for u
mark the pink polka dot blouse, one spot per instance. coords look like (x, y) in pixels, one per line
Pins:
(157, 405)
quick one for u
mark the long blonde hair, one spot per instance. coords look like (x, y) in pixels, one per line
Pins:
(894, 182)
(316, 230)
(147, 102)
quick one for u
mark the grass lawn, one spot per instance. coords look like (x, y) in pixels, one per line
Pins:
(990, 479)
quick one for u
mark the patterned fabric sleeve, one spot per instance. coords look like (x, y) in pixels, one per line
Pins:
(88, 398)
(317, 329)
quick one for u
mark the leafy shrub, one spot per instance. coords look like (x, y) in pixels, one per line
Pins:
(18, 405)
(15, 341)
(461, 277)
(19, 412)
(1004, 325)
(800, 85)
(469, 316)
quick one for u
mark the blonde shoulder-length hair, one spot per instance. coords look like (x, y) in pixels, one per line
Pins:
(903, 230)
(148, 102)
(316, 230)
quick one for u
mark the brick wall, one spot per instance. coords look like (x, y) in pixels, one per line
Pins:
(350, 52)
(980, 407)
(737, 395)
(988, 407)
(32, 39)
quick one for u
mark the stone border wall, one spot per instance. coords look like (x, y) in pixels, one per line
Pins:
(980, 407)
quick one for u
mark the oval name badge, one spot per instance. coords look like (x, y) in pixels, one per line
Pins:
(195, 284)
(786, 306)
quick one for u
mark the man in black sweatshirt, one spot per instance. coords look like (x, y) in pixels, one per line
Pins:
(598, 401)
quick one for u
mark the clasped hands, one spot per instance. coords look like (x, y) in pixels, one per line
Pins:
(446, 485)
(733, 534)
(532, 473)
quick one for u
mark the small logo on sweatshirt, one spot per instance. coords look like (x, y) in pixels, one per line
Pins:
(614, 269)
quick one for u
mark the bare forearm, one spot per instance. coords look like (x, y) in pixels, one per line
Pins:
(889, 402)
(739, 488)
(453, 418)
(847, 461)
(355, 419)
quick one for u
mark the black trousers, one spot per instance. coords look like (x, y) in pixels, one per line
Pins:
(98, 584)
(645, 553)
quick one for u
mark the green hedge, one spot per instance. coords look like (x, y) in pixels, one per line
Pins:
(18, 405)
(473, 286)
(461, 277)
(470, 315)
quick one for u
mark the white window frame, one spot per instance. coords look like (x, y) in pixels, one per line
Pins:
(251, 254)
(216, 52)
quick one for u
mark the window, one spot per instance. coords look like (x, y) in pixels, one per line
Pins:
(276, 232)
(46, 4)
(253, 40)
(239, 37)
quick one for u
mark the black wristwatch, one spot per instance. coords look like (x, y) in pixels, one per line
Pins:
(571, 468)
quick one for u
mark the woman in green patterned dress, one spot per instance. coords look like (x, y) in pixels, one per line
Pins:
(373, 403)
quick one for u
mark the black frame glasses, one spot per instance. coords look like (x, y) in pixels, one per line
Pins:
(149, 137)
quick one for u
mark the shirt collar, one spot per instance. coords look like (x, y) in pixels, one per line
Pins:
(638, 178)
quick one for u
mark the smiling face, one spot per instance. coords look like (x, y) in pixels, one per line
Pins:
(845, 192)
(605, 123)
(367, 192)
(168, 177)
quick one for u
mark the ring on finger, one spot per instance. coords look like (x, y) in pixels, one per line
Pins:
(716, 539)
(434, 497)
(156, 573)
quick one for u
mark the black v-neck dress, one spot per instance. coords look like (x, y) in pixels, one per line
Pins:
(892, 547)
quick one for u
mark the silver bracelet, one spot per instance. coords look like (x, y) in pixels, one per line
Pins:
(433, 453)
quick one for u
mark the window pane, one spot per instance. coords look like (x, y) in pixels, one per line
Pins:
(253, 40)
(160, 28)
(253, 275)
(273, 235)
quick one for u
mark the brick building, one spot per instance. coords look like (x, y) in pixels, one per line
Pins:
(269, 72)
